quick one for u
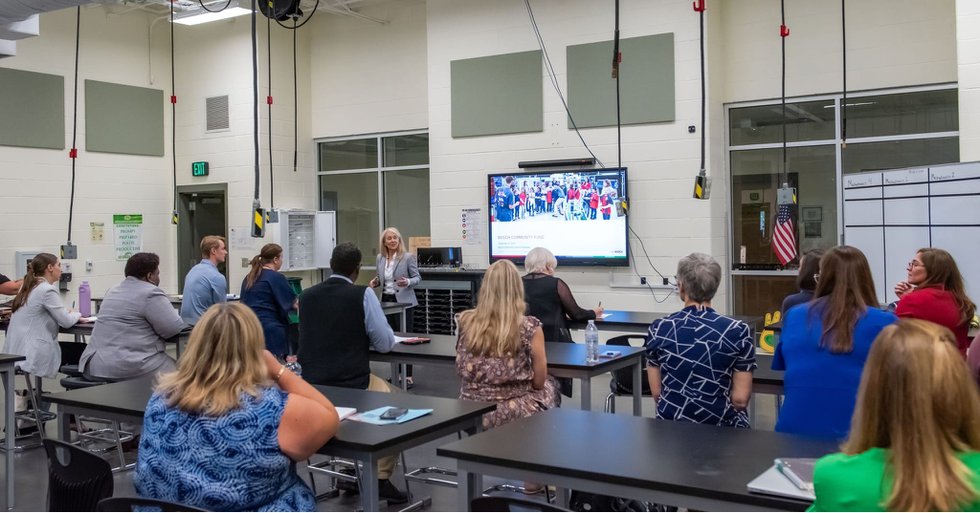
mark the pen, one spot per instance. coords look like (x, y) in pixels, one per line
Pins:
(600, 304)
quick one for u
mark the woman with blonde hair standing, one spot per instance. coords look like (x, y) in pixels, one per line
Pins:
(915, 437)
(934, 291)
(223, 432)
(267, 292)
(398, 274)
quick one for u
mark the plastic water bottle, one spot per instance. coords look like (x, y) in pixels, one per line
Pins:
(85, 299)
(292, 363)
(591, 343)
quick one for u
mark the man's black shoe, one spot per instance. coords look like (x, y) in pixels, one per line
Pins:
(388, 491)
(347, 485)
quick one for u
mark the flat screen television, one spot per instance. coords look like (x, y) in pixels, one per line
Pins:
(577, 214)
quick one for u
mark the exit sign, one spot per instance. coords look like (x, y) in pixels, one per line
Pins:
(199, 169)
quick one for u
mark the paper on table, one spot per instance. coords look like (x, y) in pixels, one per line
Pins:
(344, 412)
(91, 318)
(603, 316)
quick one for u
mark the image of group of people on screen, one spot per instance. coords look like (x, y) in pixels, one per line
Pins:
(562, 196)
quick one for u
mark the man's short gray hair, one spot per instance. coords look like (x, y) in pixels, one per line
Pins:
(540, 260)
(700, 275)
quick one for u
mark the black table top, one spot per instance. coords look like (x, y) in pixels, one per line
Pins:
(10, 358)
(691, 459)
(129, 398)
(643, 319)
(764, 373)
(561, 355)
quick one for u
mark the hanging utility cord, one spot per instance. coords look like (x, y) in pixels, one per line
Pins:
(73, 153)
(617, 58)
(295, 102)
(174, 219)
(843, 104)
(554, 80)
(268, 101)
(783, 34)
(255, 107)
(699, 7)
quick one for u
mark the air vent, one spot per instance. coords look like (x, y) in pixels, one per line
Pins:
(217, 113)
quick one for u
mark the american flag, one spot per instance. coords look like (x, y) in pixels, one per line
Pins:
(784, 235)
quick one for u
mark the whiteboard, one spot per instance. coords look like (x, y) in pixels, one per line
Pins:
(889, 215)
(871, 242)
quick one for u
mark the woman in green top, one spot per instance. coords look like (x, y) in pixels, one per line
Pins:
(915, 434)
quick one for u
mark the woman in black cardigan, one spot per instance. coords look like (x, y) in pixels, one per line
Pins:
(550, 300)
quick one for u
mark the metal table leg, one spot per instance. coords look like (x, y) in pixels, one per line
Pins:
(10, 427)
(638, 388)
(369, 484)
(587, 394)
(470, 485)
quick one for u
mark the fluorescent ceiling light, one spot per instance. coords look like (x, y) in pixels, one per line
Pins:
(205, 17)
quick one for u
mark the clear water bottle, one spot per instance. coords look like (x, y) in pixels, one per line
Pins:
(292, 363)
(591, 343)
(85, 299)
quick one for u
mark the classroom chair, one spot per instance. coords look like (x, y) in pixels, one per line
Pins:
(77, 479)
(622, 379)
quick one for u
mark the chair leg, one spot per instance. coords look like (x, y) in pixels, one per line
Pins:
(312, 480)
(408, 491)
(35, 405)
(119, 448)
(610, 403)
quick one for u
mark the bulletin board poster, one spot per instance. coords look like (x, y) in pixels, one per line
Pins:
(472, 226)
(128, 238)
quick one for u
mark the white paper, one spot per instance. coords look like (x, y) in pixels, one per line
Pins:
(344, 412)
(88, 319)
(603, 316)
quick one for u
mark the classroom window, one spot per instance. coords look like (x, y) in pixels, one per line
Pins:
(373, 182)
(885, 130)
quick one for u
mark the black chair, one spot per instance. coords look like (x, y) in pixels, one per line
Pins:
(77, 479)
(502, 503)
(622, 379)
(71, 353)
(130, 504)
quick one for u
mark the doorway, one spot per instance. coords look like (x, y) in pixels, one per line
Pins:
(203, 211)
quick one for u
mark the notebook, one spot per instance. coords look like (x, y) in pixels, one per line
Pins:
(773, 482)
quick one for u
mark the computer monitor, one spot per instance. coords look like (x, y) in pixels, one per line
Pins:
(440, 257)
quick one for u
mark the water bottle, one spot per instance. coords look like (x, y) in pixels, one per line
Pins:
(292, 363)
(85, 299)
(591, 343)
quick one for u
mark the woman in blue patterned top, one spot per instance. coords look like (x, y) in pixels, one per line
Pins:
(220, 435)
(700, 362)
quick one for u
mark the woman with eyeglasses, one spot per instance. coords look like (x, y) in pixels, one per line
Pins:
(934, 292)
(824, 344)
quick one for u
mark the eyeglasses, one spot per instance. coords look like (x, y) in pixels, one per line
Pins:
(913, 264)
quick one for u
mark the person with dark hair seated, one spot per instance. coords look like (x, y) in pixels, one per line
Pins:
(806, 280)
(135, 320)
(9, 287)
(339, 324)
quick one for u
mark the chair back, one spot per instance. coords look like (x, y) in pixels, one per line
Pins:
(71, 352)
(622, 383)
(129, 504)
(504, 503)
(77, 479)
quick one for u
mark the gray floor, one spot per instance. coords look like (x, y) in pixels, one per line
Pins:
(31, 472)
